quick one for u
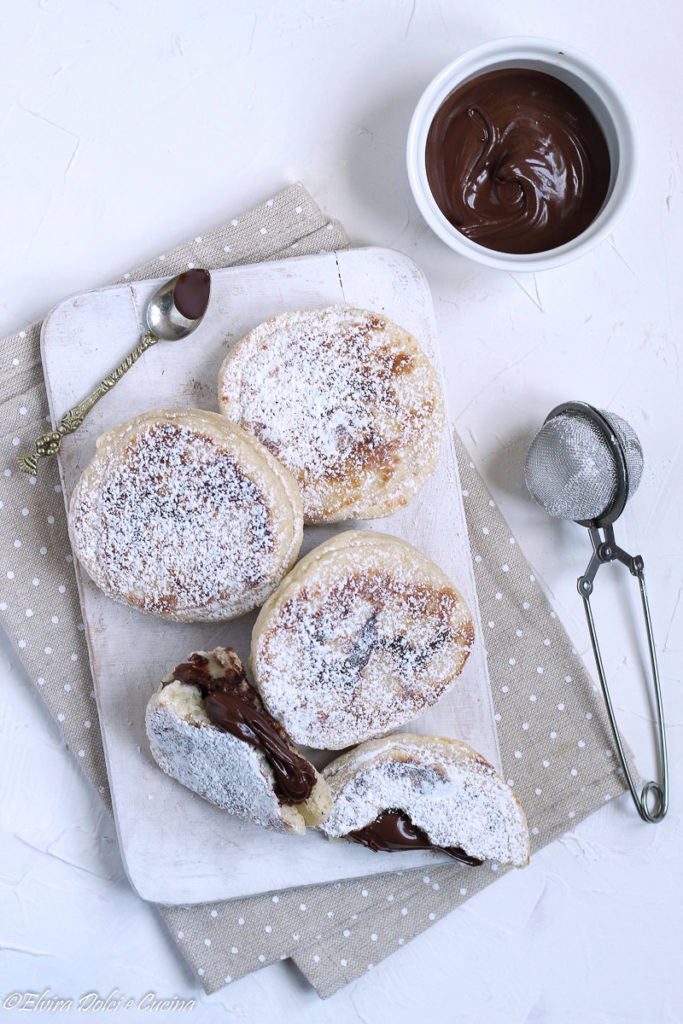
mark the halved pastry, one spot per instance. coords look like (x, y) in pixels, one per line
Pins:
(208, 729)
(410, 792)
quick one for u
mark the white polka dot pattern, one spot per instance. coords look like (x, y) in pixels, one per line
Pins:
(554, 730)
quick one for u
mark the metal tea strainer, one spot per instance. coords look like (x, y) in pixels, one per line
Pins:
(584, 464)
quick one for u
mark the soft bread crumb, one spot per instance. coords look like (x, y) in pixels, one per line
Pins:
(316, 809)
(185, 701)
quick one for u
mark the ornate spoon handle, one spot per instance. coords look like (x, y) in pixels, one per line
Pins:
(50, 443)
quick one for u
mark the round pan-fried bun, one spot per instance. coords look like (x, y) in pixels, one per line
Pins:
(216, 764)
(443, 786)
(363, 635)
(348, 402)
(183, 515)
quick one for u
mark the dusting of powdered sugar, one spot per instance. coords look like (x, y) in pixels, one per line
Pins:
(343, 398)
(211, 762)
(444, 787)
(355, 653)
(170, 523)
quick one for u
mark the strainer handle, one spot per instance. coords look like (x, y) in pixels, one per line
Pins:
(606, 550)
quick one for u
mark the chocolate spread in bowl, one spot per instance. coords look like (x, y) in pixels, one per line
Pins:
(393, 831)
(233, 705)
(517, 161)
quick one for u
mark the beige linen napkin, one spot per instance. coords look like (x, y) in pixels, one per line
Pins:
(554, 739)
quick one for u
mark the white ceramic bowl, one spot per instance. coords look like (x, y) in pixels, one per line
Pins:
(592, 85)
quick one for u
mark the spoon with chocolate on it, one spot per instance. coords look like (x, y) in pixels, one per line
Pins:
(174, 311)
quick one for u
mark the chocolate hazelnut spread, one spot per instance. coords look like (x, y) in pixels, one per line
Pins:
(191, 293)
(232, 704)
(516, 161)
(393, 831)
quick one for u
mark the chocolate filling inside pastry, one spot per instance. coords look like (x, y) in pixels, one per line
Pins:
(393, 831)
(233, 705)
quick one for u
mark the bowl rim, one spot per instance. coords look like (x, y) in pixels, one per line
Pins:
(554, 55)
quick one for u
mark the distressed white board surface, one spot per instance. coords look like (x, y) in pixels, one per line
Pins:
(178, 848)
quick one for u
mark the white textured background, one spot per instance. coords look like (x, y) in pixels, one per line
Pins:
(128, 125)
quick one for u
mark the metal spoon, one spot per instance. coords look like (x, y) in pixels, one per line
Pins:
(173, 312)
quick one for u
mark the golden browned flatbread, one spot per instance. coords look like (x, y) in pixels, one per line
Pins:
(183, 515)
(348, 402)
(363, 635)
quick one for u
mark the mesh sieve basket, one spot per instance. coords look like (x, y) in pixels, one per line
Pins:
(584, 464)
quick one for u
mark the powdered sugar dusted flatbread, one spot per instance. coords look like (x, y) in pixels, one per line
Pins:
(346, 400)
(362, 636)
(445, 787)
(218, 766)
(182, 514)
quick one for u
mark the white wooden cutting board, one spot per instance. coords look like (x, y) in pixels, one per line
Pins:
(177, 848)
